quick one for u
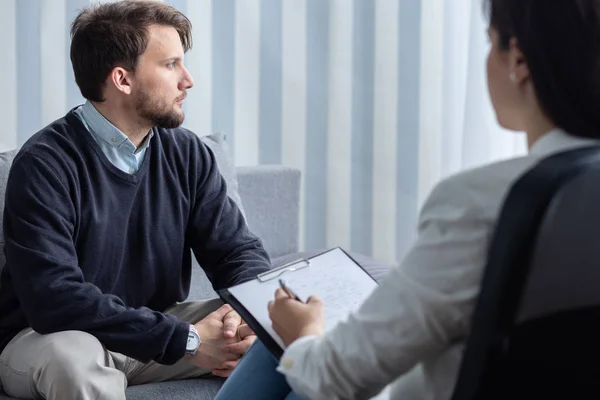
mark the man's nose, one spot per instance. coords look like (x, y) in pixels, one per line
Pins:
(187, 82)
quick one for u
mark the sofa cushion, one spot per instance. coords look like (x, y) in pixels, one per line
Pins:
(217, 142)
(197, 389)
(376, 269)
(6, 160)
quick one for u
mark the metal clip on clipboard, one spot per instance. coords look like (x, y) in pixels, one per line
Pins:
(289, 267)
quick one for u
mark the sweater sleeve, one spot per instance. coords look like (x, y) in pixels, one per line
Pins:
(39, 225)
(222, 243)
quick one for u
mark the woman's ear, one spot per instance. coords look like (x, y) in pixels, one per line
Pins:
(519, 70)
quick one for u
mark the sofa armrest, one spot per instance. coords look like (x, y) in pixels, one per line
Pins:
(271, 198)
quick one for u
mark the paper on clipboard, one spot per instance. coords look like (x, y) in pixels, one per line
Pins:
(336, 278)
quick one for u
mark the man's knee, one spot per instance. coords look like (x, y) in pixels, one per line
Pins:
(76, 362)
(75, 348)
(70, 355)
(70, 364)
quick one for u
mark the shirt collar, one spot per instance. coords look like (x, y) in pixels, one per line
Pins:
(558, 140)
(105, 130)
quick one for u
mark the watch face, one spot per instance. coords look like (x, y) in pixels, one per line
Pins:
(192, 342)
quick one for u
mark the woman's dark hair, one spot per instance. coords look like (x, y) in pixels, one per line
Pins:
(560, 40)
(114, 34)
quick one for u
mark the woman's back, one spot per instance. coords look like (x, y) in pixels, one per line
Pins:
(475, 198)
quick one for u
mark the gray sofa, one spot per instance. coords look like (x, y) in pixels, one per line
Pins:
(269, 196)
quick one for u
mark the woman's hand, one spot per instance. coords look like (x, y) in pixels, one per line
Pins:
(293, 319)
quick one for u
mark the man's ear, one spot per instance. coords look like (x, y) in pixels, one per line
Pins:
(517, 62)
(121, 78)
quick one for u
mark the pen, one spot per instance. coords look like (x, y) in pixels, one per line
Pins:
(288, 291)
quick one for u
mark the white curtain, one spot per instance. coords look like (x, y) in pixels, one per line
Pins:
(373, 100)
(458, 126)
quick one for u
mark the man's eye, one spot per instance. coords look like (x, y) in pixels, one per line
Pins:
(171, 64)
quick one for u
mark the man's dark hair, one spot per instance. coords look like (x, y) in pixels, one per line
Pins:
(560, 40)
(113, 34)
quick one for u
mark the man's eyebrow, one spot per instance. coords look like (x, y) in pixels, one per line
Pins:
(177, 58)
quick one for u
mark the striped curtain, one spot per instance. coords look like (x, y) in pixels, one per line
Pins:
(353, 93)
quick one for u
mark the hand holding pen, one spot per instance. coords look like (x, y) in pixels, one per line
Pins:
(288, 291)
(292, 318)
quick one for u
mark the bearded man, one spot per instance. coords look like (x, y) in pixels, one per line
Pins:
(104, 208)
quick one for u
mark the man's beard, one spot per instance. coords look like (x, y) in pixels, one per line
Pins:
(157, 111)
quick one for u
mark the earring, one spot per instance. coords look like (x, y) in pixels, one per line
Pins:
(513, 76)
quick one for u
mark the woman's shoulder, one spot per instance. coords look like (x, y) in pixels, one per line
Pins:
(481, 189)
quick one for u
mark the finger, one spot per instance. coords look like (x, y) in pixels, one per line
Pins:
(222, 311)
(314, 299)
(229, 365)
(244, 331)
(241, 347)
(231, 322)
(270, 306)
(223, 373)
(280, 294)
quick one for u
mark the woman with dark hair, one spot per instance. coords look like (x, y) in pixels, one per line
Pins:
(543, 72)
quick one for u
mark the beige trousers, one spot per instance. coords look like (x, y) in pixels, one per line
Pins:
(75, 365)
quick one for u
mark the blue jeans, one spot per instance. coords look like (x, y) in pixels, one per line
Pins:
(256, 378)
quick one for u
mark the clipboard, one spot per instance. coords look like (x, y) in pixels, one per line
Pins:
(271, 278)
(277, 272)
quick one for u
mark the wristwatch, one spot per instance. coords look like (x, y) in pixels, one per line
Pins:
(193, 341)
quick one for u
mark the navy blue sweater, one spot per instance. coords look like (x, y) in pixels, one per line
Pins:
(91, 248)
